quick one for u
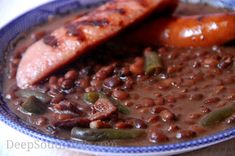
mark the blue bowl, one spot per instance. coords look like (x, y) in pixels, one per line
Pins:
(40, 15)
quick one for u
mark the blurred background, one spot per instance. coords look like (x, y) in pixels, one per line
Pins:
(10, 9)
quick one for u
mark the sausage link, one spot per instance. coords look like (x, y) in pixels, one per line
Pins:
(68, 42)
(188, 31)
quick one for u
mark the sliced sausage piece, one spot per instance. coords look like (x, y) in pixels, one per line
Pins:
(68, 42)
(187, 31)
(103, 108)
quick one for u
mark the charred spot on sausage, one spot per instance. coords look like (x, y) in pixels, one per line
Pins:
(50, 40)
(200, 18)
(120, 11)
(100, 22)
(73, 30)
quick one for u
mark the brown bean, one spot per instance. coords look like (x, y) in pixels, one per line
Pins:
(194, 115)
(57, 98)
(152, 119)
(157, 136)
(170, 99)
(146, 102)
(159, 101)
(173, 128)
(180, 95)
(163, 51)
(225, 62)
(112, 82)
(190, 121)
(185, 134)
(64, 116)
(205, 110)
(71, 75)
(84, 72)
(157, 109)
(129, 82)
(185, 90)
(167, 115)
(221, 104)
(66, 105)
(122, 125)
(99, 124)
(135, 96)
(195, 97)
(202, 53)
(138, 66)
(125, 71)
(210, 62)
(192, 118)
(167, 82)
(90, 89)
(219, 89)
(137, 123)
(196, 64)
(67, 84)
(212, 100)
(155, 126)
(143, 110)
(173, 55)
(230, 96)
(158, 95)
(119, 94)
(228, 79)
(188, 82)
(96, 83)
(104, 72)
(174, 68)
(83, 83)
(161, 86)
(141, 78)
(231, 119)
(128, 103)
(197, 77)
(198, 129)
(218, 82)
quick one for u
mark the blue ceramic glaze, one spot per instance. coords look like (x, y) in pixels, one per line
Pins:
(40, 15)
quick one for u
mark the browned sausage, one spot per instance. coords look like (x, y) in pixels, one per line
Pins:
(188, 31)
(68, 42)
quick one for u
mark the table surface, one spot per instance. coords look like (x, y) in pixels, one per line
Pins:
(14, 143)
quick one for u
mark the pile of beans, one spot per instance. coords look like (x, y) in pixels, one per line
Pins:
(114, 91)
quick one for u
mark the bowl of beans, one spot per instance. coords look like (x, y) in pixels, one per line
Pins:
(152, 77)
